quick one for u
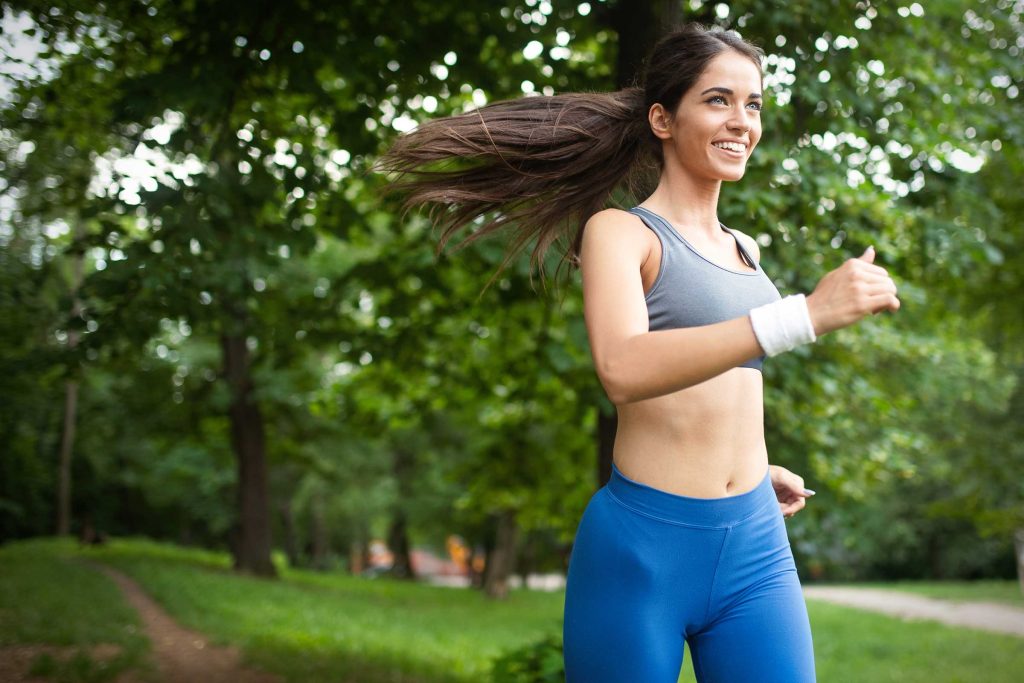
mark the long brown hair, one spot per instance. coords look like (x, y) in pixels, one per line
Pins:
(543, 165)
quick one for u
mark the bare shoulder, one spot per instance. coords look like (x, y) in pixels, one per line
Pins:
(617, 230)
(610, 219)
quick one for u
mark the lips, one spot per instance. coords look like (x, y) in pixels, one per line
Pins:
(731, 153)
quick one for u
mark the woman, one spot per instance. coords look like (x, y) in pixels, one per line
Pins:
(687, 540)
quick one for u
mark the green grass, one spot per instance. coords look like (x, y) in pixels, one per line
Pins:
(1006, 592)
(44, 599)
(312, 627)
(854, 645)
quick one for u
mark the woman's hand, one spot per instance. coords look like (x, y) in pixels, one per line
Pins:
(789, 489)
(850, 292)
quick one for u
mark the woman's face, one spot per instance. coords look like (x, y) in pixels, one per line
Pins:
(724, 105)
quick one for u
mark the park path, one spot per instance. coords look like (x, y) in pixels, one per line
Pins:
(183, 656)
(987, 616)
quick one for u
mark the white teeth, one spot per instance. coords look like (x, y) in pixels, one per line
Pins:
(734, 146)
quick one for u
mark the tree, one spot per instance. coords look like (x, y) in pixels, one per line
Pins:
(252, 295)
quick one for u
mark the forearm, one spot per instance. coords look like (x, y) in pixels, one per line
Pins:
(665, 361)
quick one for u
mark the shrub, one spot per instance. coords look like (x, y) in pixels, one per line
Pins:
(539, 662)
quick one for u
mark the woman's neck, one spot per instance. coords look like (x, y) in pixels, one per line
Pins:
(687, 201)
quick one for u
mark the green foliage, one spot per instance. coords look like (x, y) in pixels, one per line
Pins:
(539, 662)
(368, 350)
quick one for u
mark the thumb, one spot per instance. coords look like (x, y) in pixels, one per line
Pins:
(868, 255)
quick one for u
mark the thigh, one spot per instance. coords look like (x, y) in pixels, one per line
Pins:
(764, 636)
(619, 626)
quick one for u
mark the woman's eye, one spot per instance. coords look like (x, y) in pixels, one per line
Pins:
(722, 99)
(719, 98)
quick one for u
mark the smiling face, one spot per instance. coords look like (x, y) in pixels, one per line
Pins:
(723, 106)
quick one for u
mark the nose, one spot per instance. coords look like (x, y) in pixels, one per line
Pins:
(738, 124)
(738, 119)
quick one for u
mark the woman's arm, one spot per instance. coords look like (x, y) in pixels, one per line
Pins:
(633, 363)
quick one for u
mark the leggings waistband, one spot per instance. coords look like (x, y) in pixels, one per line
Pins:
(672, 507)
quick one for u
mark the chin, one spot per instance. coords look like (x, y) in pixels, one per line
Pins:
(732, 177)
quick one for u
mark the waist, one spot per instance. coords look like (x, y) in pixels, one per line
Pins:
(689, 510)
(689, 469)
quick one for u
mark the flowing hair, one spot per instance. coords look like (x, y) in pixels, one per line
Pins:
(543, 165)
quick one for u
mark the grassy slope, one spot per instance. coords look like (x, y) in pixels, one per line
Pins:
(46, 600)
(330, 627)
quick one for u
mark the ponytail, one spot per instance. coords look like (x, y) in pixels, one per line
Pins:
(541, 165)
(545, 165)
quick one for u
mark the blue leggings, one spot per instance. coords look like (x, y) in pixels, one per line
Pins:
(650, 569)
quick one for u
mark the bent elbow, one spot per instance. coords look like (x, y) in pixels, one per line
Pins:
(614, 381)
(614, 394)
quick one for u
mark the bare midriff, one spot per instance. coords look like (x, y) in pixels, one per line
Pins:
(704, 441)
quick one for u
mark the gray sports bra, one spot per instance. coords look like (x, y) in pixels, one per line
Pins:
(690, 290)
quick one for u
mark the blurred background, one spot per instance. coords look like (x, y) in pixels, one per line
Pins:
(218, 340)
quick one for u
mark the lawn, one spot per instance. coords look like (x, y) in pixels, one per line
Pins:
(43, 600)
(312, 627)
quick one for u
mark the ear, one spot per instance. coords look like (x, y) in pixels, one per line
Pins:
(661, 122)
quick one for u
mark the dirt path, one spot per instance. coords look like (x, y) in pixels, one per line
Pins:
(988, 616)
(183, 656)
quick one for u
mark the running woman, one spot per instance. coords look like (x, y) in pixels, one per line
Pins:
(686, 542)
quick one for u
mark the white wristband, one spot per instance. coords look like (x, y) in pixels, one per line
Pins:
(783, 325)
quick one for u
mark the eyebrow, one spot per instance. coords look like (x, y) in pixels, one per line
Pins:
(727, 91)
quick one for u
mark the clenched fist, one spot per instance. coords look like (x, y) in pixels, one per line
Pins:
(851, 292)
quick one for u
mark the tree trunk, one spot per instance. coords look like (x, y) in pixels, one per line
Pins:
(321, 530)
(184, 529)
(359, 550)
(356, 565)
(67, 439)
(502, 559)
(639, 25)
(476, 578)
(1018, 541)
(398, 534)
(291, 544)
(252, 550)
(398, 544)
(934, 549)
(525, 559)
